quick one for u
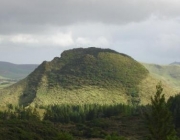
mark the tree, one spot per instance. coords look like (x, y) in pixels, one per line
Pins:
(114, 136)
(159, 118)
(174, 106)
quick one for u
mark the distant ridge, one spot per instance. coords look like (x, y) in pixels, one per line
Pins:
(170, 73)
(15, 71)
(175, 63)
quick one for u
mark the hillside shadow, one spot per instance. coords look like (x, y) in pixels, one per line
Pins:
(33, 81)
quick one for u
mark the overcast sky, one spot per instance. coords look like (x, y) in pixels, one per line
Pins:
(32, 31)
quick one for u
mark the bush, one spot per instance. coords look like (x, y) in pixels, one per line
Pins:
(64, 136)
(115, 137)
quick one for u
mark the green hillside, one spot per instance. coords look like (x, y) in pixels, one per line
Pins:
(96, 67)
(168, 73)
(85, 76)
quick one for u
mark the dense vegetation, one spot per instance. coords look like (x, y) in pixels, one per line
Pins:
(65, 122)
(174, 105)
(82, 113)
(30, 130)
(84, 76)
(90, 75)
(97, 67)
(94, 71)
(159, 118)
(32, 82)
(68, 122)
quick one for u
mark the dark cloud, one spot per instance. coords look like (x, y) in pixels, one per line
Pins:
(147, 30)
(25, 14)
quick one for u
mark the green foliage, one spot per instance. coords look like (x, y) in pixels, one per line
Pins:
(159, 118)
(115, 137)
(30, 130)
(73, 121)
(20, 113)
(64, 136)
(174, 106)
(90, 130)
(82, 113)
(33, 81)
(81, 70)
(101, 67)
(24, 123)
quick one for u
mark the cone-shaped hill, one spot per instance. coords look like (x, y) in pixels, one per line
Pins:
(79, 76)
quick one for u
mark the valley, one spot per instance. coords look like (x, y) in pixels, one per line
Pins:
(11, 73)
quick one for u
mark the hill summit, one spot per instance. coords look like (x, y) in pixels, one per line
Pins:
(93, 66)
(78, 76)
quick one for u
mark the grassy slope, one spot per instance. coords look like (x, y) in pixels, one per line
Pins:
(4, 85)
(12, 93)
(148, 88)
(168, 73)
(90, 77)
(95, 94)
(128, 71)
(104, 69)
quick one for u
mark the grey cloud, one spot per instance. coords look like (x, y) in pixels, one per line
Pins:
(28, 55)
(35, 13)
(147, 30)
(152, 40)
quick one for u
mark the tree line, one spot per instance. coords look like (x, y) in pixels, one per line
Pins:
(162, 117)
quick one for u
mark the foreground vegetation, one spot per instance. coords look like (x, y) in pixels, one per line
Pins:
(72, 122)
(110, 122)
(59, 101)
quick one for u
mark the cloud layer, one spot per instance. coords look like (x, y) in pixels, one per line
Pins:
(33, 31)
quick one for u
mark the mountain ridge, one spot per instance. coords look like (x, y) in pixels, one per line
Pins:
(79, 76)
(175, 63)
